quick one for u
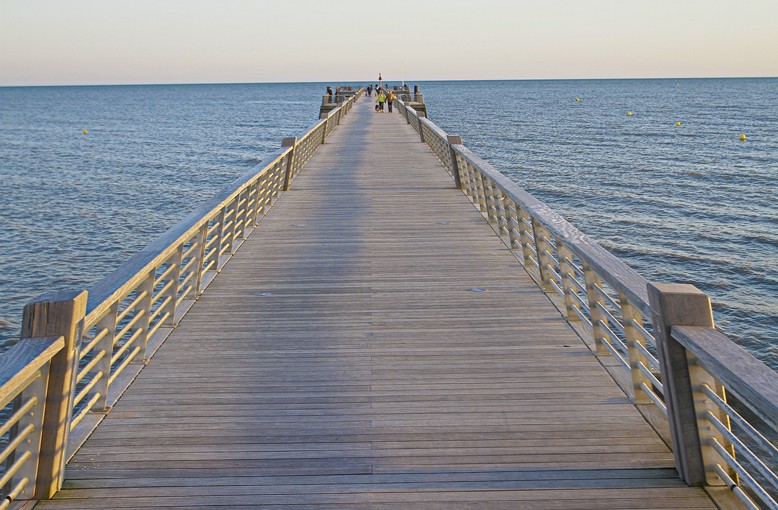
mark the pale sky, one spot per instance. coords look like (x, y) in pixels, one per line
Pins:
(64, 42)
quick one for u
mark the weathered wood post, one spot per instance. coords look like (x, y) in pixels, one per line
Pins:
(242, 213)
(543, 250)
(174, 281)
(490, 199)
(501, 206)
(290, 141)
(108, 325)
(233, 232)
(526, 235)
(144, 307)
(200, 267)
(636, 346)
(56, 315)
(512, 220)
(324, 130)
(480, 191)
(255, 197)
(454, 140)
(566, 272)
(220, 237)
(680, 305)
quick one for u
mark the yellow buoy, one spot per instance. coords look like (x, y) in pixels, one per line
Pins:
(629, 114)
(85, 132)
(742, 137)
(678, 123)
(577, 98)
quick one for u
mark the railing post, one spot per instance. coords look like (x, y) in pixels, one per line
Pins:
(265, 194)
(480, 191)
(542, 249)
(512, 221)
(566, 273)
(202, 240)
(277, 181)
(255, 193)
(464, 168)
(469, 183)
(220, 237)
(241, 214)
(490, 199)
(526, 237)
(684, 305)
(56, 315)
(501, 212)
(233, 224)
(454, 140)
(290, 141)
(108, 324)
(634, 340)
(144, 306)
(175, 280)
(595, 300)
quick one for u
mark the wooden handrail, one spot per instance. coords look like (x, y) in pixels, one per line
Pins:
(131, 272)
(749, 379)
(619, 275)
(22, 360)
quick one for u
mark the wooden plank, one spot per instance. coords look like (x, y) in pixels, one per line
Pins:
(374, 344)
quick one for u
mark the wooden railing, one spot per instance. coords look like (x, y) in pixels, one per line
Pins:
(658, 341)
(80, 351)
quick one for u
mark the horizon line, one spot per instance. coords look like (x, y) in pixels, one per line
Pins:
(150, 84)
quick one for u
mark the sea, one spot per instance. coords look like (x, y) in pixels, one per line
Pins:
(654, 170)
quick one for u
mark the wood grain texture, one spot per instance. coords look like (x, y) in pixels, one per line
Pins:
(374, 345)
(22, 360)
(755, 384)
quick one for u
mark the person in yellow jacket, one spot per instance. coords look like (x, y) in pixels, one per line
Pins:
(390, 100)
(381, 100)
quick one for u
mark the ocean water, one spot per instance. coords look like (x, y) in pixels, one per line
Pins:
(683, 204)
(689, 203)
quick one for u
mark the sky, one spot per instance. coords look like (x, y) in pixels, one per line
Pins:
(79, 42)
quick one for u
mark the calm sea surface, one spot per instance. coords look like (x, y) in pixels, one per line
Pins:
(689, 203)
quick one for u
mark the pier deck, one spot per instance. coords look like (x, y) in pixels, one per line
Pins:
(374, 344)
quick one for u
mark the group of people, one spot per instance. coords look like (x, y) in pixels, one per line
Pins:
(383, 96)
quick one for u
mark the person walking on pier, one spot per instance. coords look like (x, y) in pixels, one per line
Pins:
(390, 100)
(381, 100)
(369, 90)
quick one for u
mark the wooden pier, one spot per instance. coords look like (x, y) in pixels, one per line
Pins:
(373, 344)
